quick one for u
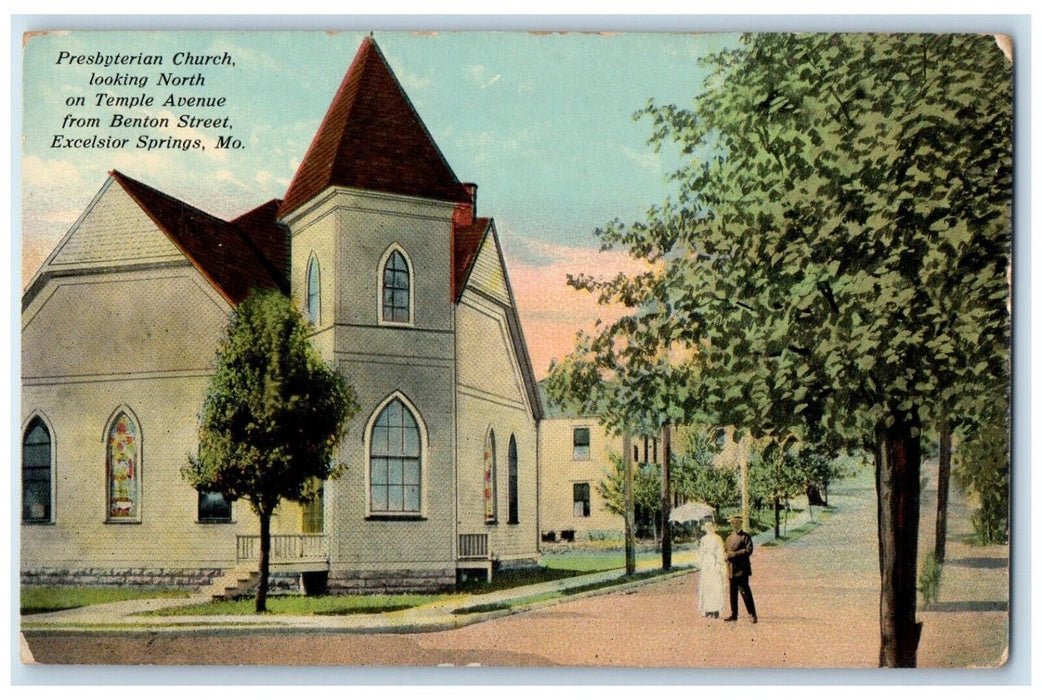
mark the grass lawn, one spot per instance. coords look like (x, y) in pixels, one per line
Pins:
(306, 605)
(584, 562)
(41, 599)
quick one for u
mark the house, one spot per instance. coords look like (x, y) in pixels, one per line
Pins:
(381, 247)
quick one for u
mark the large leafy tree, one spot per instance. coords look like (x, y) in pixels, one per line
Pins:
(273, 416)
(835, 255)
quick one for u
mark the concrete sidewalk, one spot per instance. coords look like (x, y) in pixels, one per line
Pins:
(436, 616)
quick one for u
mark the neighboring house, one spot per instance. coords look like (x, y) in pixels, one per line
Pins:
(380, 245)
(574, 457)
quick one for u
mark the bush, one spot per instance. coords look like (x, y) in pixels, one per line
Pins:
(929, 579)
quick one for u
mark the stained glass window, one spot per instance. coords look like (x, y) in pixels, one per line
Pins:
(490, 476)
(394, 461)
(396, 289)
(36, 473)
(124, 469)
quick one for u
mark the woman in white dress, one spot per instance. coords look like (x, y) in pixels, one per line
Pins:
(712, 585)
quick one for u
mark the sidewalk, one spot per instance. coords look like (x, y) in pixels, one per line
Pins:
(437, 616)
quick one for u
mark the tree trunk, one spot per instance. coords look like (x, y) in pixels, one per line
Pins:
(777, 517)
(627, 480)
(265, 560)
(667, 540)
(897, 487)
(944, 471)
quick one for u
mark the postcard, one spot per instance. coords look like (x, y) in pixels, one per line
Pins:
(667, 350)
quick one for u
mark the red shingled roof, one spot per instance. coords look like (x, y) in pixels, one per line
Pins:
(236, 256)
(373, 139)
(466, 241)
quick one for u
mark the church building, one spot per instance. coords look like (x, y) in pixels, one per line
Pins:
(405, 286)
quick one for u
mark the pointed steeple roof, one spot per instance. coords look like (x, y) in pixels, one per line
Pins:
(373, 139)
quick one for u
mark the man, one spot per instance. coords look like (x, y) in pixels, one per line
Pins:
(738, 548)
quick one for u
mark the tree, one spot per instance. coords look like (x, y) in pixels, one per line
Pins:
(982, 473)
(647, 488)
(835, 255)
(274, 415)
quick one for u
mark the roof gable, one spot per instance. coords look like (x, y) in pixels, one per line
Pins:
(372, 139)
(226, 253)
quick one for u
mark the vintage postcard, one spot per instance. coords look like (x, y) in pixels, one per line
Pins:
(668, 350)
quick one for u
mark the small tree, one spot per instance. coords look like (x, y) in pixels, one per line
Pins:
(273, 416)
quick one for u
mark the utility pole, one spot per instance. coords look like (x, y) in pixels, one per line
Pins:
(627, 480)
(667, 505)
(744, 481)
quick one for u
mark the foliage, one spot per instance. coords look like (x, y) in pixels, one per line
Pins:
(695, 476)
(274, 415)
(647, 486)
(832, 265)
(274, 412)
(982, 472)
(929, 578)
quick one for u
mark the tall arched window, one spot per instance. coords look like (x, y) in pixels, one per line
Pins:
(36, 473)
(512, 516)
(314, 309)
(394, 461)
(490, 476)
(123, 468)
(396, 302)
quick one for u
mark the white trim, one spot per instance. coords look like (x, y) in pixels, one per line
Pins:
(316, 318)
(424, 451)
(124, 408)
(54, 471)
(380, 288)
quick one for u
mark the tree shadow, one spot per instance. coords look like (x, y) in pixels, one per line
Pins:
(969, 606)
(980, 562)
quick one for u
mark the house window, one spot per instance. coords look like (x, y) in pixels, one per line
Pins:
(636, 453)
(580, 443)
(396, 292)
(394, 461)
(719, 437)
(490, 476)
(313, 301)
(123, 469)
(213, 508)
(312, 518)
(512, 515)
(36, 473)
(581, 500)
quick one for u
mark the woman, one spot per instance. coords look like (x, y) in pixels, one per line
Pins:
(712, 585)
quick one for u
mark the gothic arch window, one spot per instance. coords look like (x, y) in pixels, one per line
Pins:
(490, 476)
(396, 439)
(123, 468)
(396, 285)
(512, 514)
(37, 473)
(313, 305)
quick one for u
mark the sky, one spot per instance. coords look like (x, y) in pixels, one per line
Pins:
(543, 123)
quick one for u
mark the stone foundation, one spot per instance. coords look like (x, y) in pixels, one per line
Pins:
(392, 582)
(121, 578)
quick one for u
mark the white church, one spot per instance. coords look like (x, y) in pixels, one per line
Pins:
(381, 247)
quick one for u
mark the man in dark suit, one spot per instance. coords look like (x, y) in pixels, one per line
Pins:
(738, 548)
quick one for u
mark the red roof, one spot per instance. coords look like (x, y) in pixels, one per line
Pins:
(466, 241)
(373, 139)
(236, 256)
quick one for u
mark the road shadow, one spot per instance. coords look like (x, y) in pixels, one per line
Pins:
(969, 606)
(980, 562)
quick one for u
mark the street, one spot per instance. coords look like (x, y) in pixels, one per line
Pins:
(817, 600)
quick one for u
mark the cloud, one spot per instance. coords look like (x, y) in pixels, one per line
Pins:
(412, 81)
(478, 74)
(649, 160)
(38, 172)
(552, 312)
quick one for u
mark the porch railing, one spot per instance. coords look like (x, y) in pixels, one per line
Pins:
(473, 547)
(285, 549)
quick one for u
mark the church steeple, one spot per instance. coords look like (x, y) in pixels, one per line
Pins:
(373, 139)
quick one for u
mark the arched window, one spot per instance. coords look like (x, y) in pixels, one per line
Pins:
(394, 461)
(123, 468)
(490, 476)
(512, 482)
(314, 309)
(396, 302)
(36, 473)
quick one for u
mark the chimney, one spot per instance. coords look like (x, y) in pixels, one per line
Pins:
(466, 211)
